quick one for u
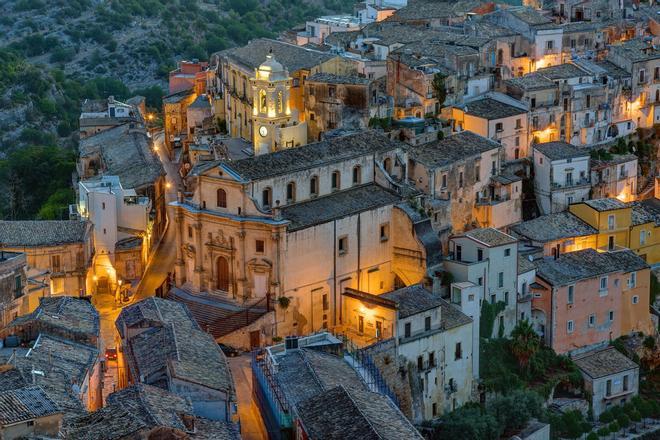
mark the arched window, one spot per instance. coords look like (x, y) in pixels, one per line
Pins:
(336, 181)
(266, 198)
(280, 102)
(291, 192)
(221, 198)
(263, 105)
(222, 274)
(357, 175)
(387, 164)
(314, 186)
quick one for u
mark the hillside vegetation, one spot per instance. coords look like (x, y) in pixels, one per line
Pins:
(56, 53)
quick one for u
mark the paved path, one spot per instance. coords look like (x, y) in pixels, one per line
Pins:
(164, 257)
(252, 425)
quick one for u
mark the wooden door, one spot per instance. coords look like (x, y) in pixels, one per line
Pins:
(222, 271)
(255, 339)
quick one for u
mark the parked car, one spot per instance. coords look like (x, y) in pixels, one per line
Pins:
(229, 351)
(111, 354)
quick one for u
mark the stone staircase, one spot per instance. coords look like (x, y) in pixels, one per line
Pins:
(217, 316)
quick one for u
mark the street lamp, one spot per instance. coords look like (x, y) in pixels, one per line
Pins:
(168, 185)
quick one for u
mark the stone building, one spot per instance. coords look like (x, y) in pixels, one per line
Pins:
(97, 115)
(615, 177)
(13, 282)
(561, 176)
(236, 66)
(587, 298)
(610, 378)
(423, 334)
(339, 102)
(63, 248)
(253, 227)
(175, 118)
(28, 412)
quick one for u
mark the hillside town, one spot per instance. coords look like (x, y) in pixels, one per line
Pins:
(424, 219)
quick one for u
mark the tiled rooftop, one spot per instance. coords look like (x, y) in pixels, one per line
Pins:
(532, 81)
(338, 205)
(152, 312)
(330, 78)
(65, 313)
(140, 409)
(31, 233)
(23, 404)
(292, 57)
(560, 150)
(311, 155)
(125, 153)
(490, 237)
(187, 354)
(605, 204)
(635, 50)
(562, 71)
(488, 108)
(460, 146)
(413, 299)
(604, 362)
(586, 264)
(553, 227)
(339, 413)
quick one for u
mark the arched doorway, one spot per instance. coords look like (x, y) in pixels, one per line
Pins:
(222, 271)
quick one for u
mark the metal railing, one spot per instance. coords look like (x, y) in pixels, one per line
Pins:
(268, 390)
(370, 373)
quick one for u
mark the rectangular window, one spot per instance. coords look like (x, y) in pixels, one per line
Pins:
(625, 383)
(500, 279)
(459, 253)
(571, 294)
(458, 352)
(592, 320)
(480, 281)
(406, 330)
(499, 127)
(519, 121)
(55, 263)
(444, 181)
(610, 222)
(477, 173)
(190, 233)
(342, 245)
(608, 387)
(611, 315)
(506, 298)
(384, 232)
(603, 283)
(18, 286)
(635, 299)
(431, 359)
(493, 298)
(480, 254)
(427, 323)
(260, 246)
(569, 326)
(435, 409)
(326, 305)
(632, 282)
(420, 363)
(507, 252)
(460, 179)
(642, 76)
(332, 91)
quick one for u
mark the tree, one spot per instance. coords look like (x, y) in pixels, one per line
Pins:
(592, 436)
(514, 410)
(468, 423)
(614, 427)
(439, 88)
(524, 343)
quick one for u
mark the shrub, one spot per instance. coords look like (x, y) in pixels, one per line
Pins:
(649, 342)
(635, 416)
(614, 427)
(623, 420)
(606, 417)
(592, 436)
(604, 431)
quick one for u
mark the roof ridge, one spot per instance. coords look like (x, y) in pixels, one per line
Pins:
(357, 407)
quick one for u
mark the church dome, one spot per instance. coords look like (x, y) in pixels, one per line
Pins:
(272, 70)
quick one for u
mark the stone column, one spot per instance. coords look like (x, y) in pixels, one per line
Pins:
(241, 285)
(199, 268)
(179, 265)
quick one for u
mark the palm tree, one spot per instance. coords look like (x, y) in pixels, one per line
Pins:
(524, 342)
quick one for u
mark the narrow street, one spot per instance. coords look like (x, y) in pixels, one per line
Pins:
(161, 263)
(252, 425)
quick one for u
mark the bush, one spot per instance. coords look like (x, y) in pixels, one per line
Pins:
(623, 420)
(635, 416)
(649, 342)
(606, 417)
(614, 427)
(604, 431)
(592, 436)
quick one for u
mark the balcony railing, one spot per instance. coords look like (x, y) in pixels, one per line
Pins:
(570, 183)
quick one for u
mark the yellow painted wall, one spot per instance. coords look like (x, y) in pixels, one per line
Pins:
(586, 213)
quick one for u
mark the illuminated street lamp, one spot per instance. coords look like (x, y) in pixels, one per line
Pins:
(168, 185)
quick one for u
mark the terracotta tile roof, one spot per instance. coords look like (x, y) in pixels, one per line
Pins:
(603, 362)
(25, 404)
(31, 233)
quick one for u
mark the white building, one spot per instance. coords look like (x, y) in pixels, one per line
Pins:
(316, 30)
(615, 177)
(118, 215)
(488, 258)
(610, 378)
(561, 176)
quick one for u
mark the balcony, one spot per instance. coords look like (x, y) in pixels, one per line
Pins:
(573, 183)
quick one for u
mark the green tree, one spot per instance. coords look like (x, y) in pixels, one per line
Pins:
(468, 423)
(592, 436)
(515, 409)
(614, 427)
(524, 343)
(439, 88)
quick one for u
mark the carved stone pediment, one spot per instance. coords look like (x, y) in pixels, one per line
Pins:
(188, 250)
(219, 240)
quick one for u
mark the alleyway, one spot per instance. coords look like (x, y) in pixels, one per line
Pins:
(161, 263)
(252, 425)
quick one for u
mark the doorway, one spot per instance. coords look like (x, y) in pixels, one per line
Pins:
(222, 268)
(255, 339)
